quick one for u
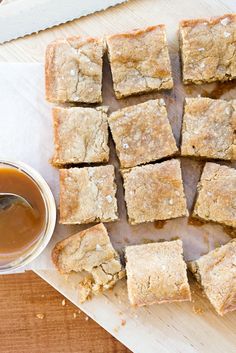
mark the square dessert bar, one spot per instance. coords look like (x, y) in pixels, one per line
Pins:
(80, 135)
(91, 251)
(154, 192)
(216, 199)
(156, 273)
(142, 133)
(208, 49)
(73, 70)
(87, 195)
(209, 128)
(216, 272)
(139, 61)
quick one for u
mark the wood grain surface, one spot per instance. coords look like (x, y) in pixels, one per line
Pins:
(25, 298)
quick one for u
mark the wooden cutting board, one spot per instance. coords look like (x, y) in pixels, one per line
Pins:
(174, 328)
(35, 318)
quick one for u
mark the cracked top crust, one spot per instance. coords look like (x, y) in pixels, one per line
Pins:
(139, 61)
(90, 251)
(80, 135)
(216, 199)
(87, 195)
(216, 272)
(208, 49)
(156, 273)
(142, 133)
(73, 70)
(208, 129)
(154, 192)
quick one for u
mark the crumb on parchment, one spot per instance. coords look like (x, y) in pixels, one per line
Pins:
(123, 322)
(197, 310)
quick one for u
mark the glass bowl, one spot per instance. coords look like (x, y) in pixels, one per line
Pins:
(50, 218)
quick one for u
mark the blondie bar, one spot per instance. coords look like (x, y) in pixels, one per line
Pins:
(216, 272)
(216, 198)
(80, 135)
(154, 192)
(209, 128)
(208, 49)
(142, 133)
(139, 61)
(91, 251)
(156, 273)
(87, 195)
(73, 70)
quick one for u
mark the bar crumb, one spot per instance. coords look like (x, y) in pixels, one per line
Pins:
(197, 310)
(63, 303)
(40, 316)
(123, 322)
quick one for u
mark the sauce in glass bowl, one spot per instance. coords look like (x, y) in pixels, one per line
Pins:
(20, 225)
(24, 230)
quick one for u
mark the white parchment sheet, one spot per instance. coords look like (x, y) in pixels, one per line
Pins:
(26, 135)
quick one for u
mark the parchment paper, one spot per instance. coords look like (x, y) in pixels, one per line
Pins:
(26, 135)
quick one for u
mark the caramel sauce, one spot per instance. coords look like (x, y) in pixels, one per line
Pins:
(159, 224)
(20, 225)
(215, 91)
(230, 231)
(220, 89)
(195, 222)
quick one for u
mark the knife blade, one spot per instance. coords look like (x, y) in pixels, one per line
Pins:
(22, 17)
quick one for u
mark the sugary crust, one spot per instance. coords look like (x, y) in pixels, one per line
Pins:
(208, 129)
(90, 251)
(73, 70)
(139, 61)
(216, 272)
(156, 273)
(49, 71)
(96, 235)
(80, 135)
(212, 20)
(217, 195)
(142, 133)
(208, 49)
(154, 192)
(87, 195)
(136, 32)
